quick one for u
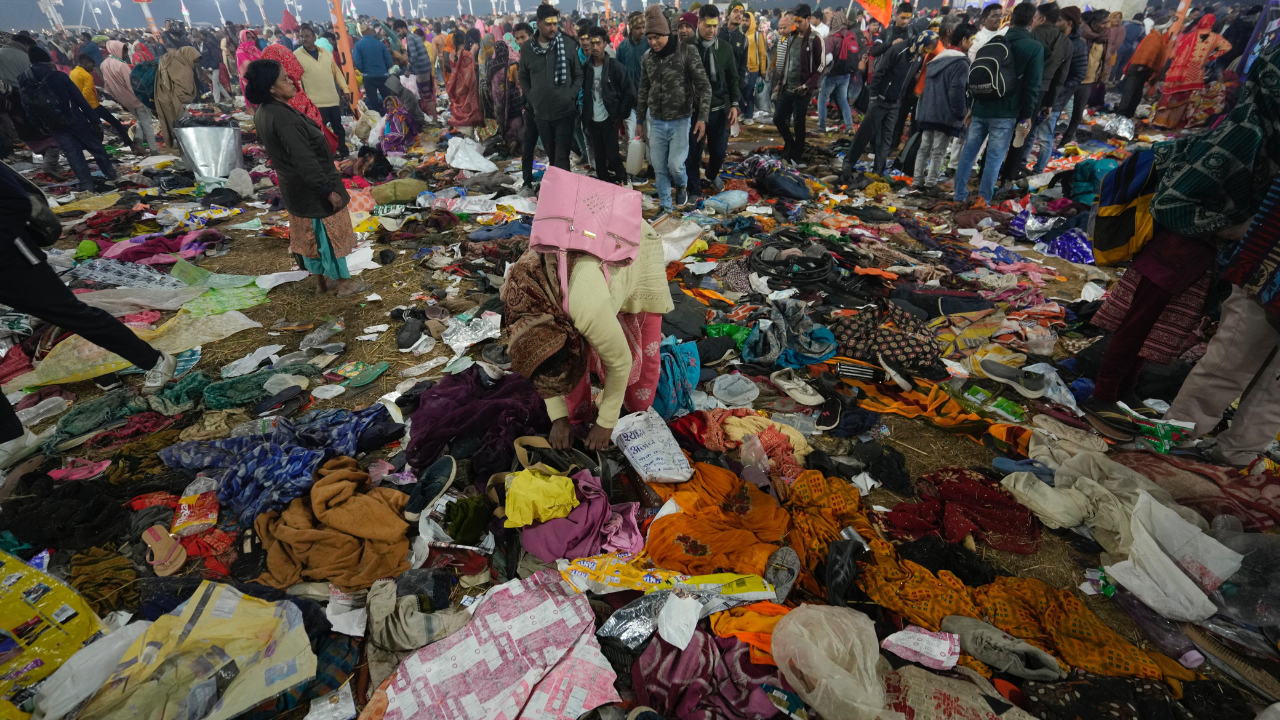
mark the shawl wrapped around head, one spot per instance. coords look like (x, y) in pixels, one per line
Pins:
(246, 52)
(1219, 178)
(464, 92)
(175, 87)
(141, 53)
(1191, 52)
(300, 101)
(545, 346)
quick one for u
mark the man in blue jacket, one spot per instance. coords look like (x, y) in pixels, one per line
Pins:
(53, 102)
(995, 119)
(372, 58)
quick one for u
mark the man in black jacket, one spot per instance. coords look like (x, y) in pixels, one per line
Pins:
(797, 77)
(1057, 65)
(894, 77)
(550, 78)
(723, 73)
(608, 97)
(1069, 19)
(897, 32)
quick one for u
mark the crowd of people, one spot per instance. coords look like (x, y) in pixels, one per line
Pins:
(715, 70)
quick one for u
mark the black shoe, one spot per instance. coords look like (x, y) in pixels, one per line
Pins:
(682, 197)
(110, 381)
(411, 332)
(430, 486)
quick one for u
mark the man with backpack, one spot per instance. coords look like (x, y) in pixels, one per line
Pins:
(721, 66)
(842, 60)
(674, 96)
(1004, 81)
(894, 77)
(54, 103)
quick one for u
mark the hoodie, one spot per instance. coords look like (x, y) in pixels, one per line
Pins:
(943, 104)
(1057, 61)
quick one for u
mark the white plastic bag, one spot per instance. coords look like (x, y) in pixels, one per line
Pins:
(464, 154)
(648, 443)
(677, 620)
(1170, 561)
(829, 656)
(83, 674)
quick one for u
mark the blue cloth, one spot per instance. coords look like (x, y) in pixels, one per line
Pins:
(375, 91)
(371, 57)
(998, 132)
(805, 342)
(838, 84)
(266, 472)
(680, 369)
(668, 150)
(91, 49)
(328, 265)
(1044, 135)
(501, 232)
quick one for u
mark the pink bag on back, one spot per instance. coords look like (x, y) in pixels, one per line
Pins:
(577, 213)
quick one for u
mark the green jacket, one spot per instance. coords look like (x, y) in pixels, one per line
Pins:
(673, 84)
(727, 83)
(1028, 58)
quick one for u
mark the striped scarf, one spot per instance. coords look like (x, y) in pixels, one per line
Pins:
(562, 65)
(1255, 267)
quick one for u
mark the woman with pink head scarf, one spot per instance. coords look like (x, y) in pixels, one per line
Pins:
(115, 78)
(246, 53)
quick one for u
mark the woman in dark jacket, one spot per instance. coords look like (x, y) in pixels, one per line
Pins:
(320, 231)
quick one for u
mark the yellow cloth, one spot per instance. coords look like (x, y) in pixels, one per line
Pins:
(537, 497)
(994, 352)
(321, 78)
(640, 287)
(737, 428)
(84, 81)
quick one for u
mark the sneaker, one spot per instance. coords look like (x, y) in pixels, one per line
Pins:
(748, 122)
(718, 184)
(1028, 384)
(497, 354)
(18, 448)
(433, 482)
(110, 381)
(682, 197)
(160, 375)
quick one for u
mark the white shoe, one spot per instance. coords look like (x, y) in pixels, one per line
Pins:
(160, 375)
(18, 448)
(748, 121)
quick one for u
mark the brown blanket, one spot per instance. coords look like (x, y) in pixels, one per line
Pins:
(345, 532)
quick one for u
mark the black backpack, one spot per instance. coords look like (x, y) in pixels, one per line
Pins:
(143, 81)
(44, 107)
(992, 75)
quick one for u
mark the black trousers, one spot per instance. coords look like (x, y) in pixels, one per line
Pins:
(332, 116)
(1077, 112)
(603, 137)
(557, 139)
(876, 130)
(34, 288)
(788, 117)
(907, 107)
(105, 114)
(716, 143)
(1135, 80)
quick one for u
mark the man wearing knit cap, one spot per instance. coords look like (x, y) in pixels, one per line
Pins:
(550, 77)
(674, 94)
(799, 75)
(688, 26)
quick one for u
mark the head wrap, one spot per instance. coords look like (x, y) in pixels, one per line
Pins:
(923, 40)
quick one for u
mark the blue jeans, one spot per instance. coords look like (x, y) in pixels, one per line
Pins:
(1044, 134)
(998, 132)
(838, 84)
(668, 149)
(78, 138)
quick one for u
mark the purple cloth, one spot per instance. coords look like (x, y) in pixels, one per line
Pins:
(485, 414)
(594, 526)
(712, 679)
(155, 249)
(1174, 262)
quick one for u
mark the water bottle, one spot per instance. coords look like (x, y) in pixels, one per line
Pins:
(1161, 631)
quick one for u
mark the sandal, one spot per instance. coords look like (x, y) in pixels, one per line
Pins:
(165, 554)
(368, 375)
(80, 469)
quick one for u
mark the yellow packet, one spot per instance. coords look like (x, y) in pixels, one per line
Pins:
(615, 572)
(741, 587)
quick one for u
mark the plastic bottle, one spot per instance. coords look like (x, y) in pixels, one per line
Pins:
(317, 337)
(43, 410)
(636, 150)
(1162, 632)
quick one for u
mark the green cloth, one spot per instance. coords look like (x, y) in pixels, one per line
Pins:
(247, 389)
(181, 396)
(1028, 58)
(328, 264)
(465, 519)
(86, 249)
(1217, 179)
(220, 300)
(737, 332)
(86, 416)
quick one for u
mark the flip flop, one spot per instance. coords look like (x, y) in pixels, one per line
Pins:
(80, 469)
(165, 554)
(368, 375)
(277, 401)
(1107, 429)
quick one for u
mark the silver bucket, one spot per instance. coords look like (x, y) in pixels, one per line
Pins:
(210, 152)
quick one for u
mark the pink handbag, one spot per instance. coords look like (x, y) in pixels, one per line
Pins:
(577, 213)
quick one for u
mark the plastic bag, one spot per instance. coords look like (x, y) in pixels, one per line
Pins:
(81, 676)
(197, 509)
(464, 154)
(651, 448)
(1252, 595)
(727, 201)
(829, 656)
